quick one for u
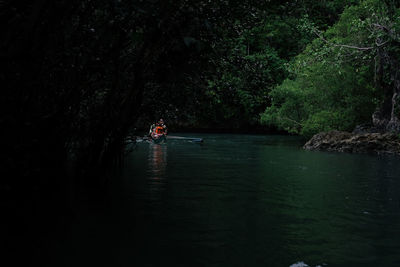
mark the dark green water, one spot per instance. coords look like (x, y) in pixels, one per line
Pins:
(242, 200)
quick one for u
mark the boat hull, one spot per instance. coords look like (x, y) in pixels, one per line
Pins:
(159, 139)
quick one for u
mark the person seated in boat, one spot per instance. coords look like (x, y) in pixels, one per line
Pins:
(152, 127)
(160, 130)
(162, 124)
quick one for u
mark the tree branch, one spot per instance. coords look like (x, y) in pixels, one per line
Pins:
(383, 27)
(291, 120)
(342, 45)
(381, 44)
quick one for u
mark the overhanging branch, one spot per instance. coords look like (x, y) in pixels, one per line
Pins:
(346, 46)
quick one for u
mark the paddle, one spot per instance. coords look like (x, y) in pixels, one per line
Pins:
(169, 137)
(193, 139)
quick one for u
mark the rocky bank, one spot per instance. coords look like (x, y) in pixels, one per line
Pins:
(377, 143)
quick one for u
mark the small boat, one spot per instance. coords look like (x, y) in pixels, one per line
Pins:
(158, 138)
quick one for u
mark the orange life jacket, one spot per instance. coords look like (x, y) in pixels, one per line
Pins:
(159, 130)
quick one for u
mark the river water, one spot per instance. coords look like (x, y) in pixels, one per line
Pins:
(242, 200)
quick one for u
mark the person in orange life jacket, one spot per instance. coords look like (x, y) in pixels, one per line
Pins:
(159, 129)
(164, 127)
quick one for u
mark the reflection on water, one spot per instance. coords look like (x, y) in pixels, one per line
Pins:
(157, 161)
(157, 165)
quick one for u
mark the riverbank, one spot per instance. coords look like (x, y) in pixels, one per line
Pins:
(375, 143)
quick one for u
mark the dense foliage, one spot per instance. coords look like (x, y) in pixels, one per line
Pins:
(340, 79)
(249, 59)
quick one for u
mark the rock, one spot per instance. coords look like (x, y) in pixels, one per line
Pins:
(379, 120)
(386, 117)
(378, 143)
(367, 128)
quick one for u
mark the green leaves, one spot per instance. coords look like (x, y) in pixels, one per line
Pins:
(331, 85)
(240, 91)
(251, 56)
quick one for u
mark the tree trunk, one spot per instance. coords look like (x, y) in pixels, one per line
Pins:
(386, 117)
